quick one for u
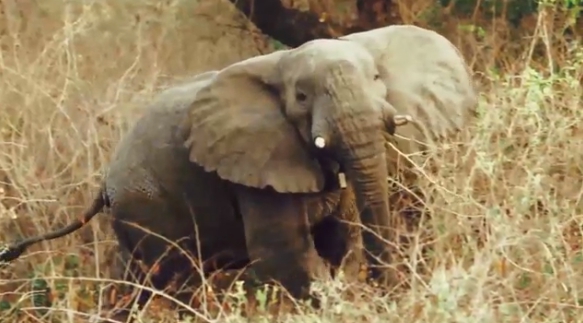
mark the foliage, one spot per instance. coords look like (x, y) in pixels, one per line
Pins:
(506, 194)
(512, 10)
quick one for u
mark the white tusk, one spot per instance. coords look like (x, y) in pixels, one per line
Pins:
(342, 180)
(402, 119)
(320, 142)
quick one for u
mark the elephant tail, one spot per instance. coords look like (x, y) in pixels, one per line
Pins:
(14, 251)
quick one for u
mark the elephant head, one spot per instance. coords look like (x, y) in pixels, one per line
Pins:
(259, 122)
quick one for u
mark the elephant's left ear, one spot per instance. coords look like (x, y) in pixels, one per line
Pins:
(238, 130)
(425, 75)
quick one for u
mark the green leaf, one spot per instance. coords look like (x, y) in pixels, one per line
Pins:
(5, 306)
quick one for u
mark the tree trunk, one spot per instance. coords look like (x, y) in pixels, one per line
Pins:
(293, 27)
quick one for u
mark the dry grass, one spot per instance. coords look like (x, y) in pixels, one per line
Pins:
(505, 197)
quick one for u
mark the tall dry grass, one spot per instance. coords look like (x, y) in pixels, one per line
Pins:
(505, 196)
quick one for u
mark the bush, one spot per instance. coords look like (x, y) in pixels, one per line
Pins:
(505, 197)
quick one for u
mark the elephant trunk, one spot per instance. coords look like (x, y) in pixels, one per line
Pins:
(354, 136)
(368, 175)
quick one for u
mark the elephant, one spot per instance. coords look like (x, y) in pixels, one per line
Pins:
(265, 162)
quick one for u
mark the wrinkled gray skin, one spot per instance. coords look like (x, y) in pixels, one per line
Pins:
(152, 183)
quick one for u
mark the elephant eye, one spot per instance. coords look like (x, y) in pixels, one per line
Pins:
(301, 97)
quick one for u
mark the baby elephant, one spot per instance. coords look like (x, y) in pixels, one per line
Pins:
(267, 161)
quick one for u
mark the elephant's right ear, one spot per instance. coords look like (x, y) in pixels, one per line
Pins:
(238, 129)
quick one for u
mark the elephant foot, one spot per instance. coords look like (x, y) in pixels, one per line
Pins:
(279, 241)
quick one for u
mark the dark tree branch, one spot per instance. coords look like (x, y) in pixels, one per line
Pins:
(374, 13)
(293, 27)
(289, 26)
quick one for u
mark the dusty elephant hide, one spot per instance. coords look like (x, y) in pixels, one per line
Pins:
(151, 183)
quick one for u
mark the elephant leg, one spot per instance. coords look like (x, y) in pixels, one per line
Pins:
(140, 227)
(279, 240)
(338, 238)
(121, 297)
(127, 270)
(340, 244)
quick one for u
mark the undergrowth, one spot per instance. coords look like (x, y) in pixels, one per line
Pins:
(505, 195)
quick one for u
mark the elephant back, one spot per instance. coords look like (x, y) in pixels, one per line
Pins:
(151, 157)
